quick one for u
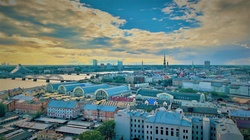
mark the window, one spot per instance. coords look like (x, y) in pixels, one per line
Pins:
(147, 126)
(183, 137)
(201, 127)
(135, 120)
(196, 132)
(138, 120)
(161, 132)
(177, 132)
(183, 131)
(197, 126)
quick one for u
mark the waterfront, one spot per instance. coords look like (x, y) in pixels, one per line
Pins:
(6, 84)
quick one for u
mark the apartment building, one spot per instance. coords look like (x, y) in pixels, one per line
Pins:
(63, 109)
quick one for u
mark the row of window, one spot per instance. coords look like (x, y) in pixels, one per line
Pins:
(142, 126)
(137, 120)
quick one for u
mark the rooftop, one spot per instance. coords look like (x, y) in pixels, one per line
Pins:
(66, 129)
(169, 117)
(101, 107)
(239, 113)
(62, 104)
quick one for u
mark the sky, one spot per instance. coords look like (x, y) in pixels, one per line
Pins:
(72, 32)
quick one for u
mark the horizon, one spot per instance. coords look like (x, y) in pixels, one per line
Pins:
(72, 32)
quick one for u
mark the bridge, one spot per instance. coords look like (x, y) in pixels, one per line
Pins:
(46, 77)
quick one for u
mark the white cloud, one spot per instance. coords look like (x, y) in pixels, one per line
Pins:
(167, 10)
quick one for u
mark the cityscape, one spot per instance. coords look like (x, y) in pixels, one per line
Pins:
(124, 70)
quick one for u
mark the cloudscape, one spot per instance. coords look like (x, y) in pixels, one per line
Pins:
(57, 32)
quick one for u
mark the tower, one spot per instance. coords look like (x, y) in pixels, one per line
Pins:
(164, 62)
(142, 68)
(192, 64)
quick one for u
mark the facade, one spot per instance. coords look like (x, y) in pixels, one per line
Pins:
(50, 87)
(177, 97)
(113, 91)
(63, 109)
(99, 112)
(15, 91)
(31, 107)
(66, 89)
(87, 91)
(48, 135)
(161, 125)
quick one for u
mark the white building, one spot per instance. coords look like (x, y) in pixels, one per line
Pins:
(63, 109)
(161, 125)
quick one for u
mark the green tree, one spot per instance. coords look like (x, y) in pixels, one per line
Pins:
(107, 129)
(90, 135)
(2, 110)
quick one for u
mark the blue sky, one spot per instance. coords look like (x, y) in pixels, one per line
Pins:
(75, 32)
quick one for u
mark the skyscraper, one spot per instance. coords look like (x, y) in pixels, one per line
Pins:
(207, 64)
(95, 63)
(119, 65)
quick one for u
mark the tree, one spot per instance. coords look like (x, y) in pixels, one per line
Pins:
(107, 129)
(90, 135)
(2, 110)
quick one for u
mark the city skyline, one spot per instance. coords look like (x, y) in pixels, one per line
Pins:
(69, 32)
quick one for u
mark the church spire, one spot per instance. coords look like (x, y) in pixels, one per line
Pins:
(164, 61)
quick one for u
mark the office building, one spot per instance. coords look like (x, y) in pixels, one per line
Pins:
(63, 109)
(120, 65)
(95, 63)
(207, 64)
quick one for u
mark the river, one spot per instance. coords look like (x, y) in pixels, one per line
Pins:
(6, 84)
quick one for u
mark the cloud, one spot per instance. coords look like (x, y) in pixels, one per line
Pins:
(64, 31)
(167, 10)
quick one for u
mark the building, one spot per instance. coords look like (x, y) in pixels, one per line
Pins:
(167, 124)
(113, 91)
(200, 111)
(15, 91)
(10, 104)
(99, 112)
(87, 91)
(227, 130)
(162, 124)
(95, 63)
(48, 135)
(177, 97)
(239, 114)
(63, 109)
(214, 129)
(67, 89)
(52, 87)
(206, 64)
(4, 94)
(31, 107)
(119, 65)
(244, 127)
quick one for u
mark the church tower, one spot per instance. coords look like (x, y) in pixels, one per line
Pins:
(164, 62)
